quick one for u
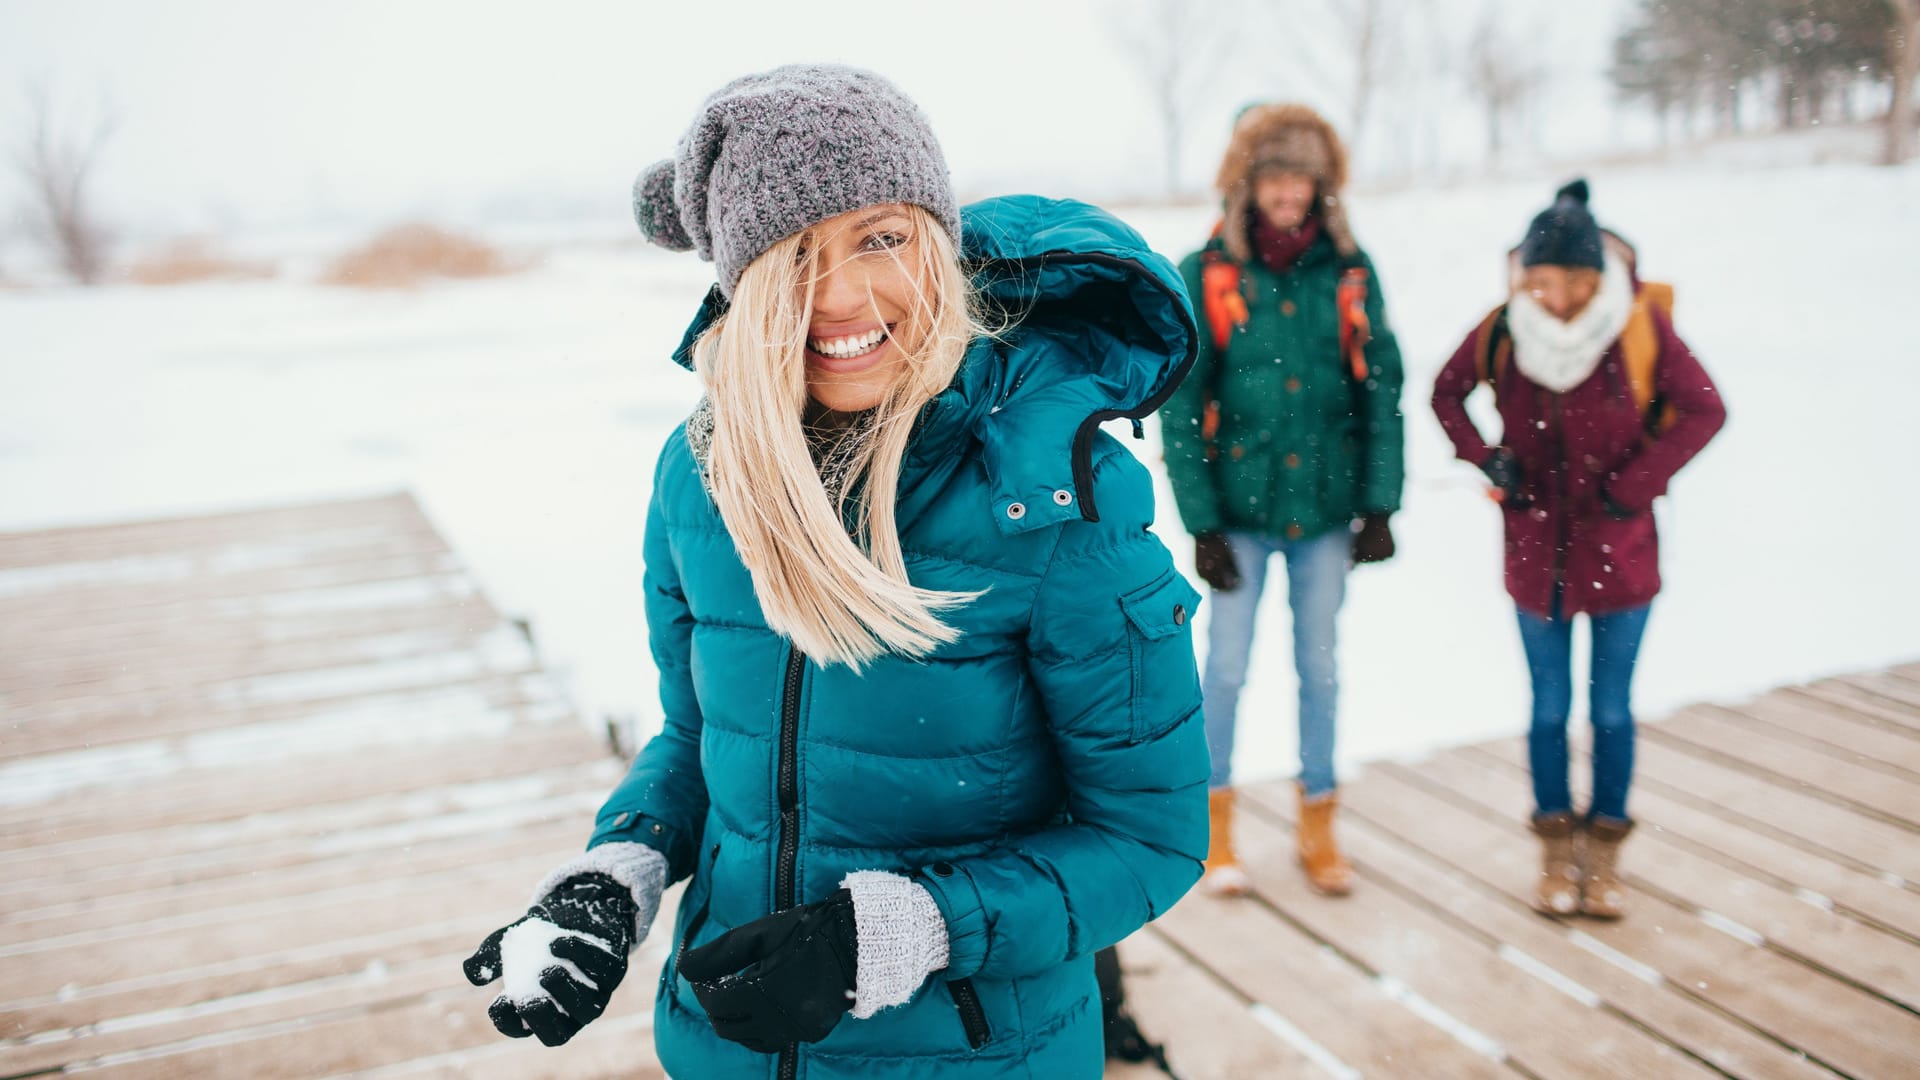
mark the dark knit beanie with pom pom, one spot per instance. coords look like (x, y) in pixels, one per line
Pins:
(1565, 233)
(773, 153)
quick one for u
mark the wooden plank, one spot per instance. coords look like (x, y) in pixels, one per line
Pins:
(1460, 975)
(171, 534)
(1860, 703)
(1903, 693)
(1384, 830)
(1834, 732)
(556, 826)
(110, 608)
(1705, 734)
(1470, 829)
(92, 957)
(190, 659)
(185, 853)
(1812, 877)
(348, 1038)
(198, 535)
(377, 592)
(610, 1048)
(1207, 1029)
(137, 723)
(276, 796)
(1741, 797)
(1753, 907)
(1267, 960)
(218, 987)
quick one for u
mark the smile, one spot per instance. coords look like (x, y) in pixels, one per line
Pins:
(848, 348)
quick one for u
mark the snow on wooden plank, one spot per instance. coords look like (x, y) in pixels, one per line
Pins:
(1383, 829)
(1755, 909)
(277, 799)
(1453, 979)
(1269, 961)
(1703, 733)
(1457, 814)
(393, 512)
(266, 778)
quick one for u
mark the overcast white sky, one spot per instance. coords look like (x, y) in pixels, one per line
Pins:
(232, 113)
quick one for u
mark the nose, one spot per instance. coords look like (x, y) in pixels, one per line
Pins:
(839, 291)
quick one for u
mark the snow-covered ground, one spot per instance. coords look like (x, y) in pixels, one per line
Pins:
(525, 413)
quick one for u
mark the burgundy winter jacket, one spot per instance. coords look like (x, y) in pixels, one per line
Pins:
(1572, 447)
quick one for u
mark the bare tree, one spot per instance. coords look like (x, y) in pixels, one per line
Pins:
(1499, 73)
(1170, 42)
(57, 169)
(1903, 51)
(1367, 25)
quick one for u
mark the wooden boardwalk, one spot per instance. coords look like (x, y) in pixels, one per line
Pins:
(265, 778)
(1775, 930)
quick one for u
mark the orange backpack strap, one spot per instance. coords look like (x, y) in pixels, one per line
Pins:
(1355, 329)
(1640, 349)
(1221, 301)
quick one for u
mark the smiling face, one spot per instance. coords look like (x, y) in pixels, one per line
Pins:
(1283, 198)
(869, 305)
(1563, 291)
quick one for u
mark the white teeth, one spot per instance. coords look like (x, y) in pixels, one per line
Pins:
(841, 348)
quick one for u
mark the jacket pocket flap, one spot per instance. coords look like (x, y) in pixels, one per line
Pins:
(1162, 609)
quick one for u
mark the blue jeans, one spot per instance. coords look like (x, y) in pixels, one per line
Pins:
(1616, 645)
(1316, 585)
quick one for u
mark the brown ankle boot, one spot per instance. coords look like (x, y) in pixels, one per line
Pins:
(1223, 875)
(1558, 892)
(1602, 894)
(1327, 870)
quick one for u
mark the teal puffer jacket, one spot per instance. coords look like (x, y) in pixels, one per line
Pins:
(1044, 776)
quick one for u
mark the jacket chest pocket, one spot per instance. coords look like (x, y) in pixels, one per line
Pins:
(1166, 684)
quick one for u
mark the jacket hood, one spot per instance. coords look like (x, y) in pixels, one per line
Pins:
(1295, 138)
(1089, 325)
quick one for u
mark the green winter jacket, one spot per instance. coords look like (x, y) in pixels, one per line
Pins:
(1301, 448)
(1044, 777)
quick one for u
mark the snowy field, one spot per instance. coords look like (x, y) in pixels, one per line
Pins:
(525, 413)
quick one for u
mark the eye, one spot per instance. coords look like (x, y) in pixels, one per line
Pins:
(885, 241)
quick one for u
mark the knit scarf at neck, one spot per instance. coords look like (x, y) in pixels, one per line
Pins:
(1281, 248)
(1560, 355)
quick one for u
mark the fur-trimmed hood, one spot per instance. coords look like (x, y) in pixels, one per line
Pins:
(1298, 139)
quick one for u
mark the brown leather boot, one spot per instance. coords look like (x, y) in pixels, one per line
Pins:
(1223, 875)
(1327, 870)
(1602, 894)
(1558, 891)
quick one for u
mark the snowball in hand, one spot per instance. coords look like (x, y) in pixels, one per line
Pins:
(526, 953)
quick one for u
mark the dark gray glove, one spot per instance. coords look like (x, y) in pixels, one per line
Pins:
(1213, 561)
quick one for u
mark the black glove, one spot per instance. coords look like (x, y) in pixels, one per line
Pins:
(783, 978)
(1373, 541)
(1503, 469)
(582, 908)
(1213, 560)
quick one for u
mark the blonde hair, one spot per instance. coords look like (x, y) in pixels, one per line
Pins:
(837, 589)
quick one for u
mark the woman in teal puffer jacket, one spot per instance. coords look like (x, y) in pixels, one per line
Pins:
(932, 728)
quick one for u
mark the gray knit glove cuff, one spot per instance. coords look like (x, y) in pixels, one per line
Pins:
(902, 939)
(640, 868)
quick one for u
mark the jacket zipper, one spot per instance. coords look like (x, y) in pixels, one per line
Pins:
(789, 795)
(972, 1017)
(1558, 601)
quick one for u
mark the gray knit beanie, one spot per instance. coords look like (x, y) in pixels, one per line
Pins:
(773, 153)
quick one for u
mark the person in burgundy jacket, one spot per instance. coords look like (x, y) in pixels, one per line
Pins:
(1570, 357)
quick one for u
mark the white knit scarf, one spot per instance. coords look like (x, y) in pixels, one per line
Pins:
(1560, 355)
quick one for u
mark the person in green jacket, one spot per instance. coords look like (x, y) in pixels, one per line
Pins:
(931, 730)
(1285, 440)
